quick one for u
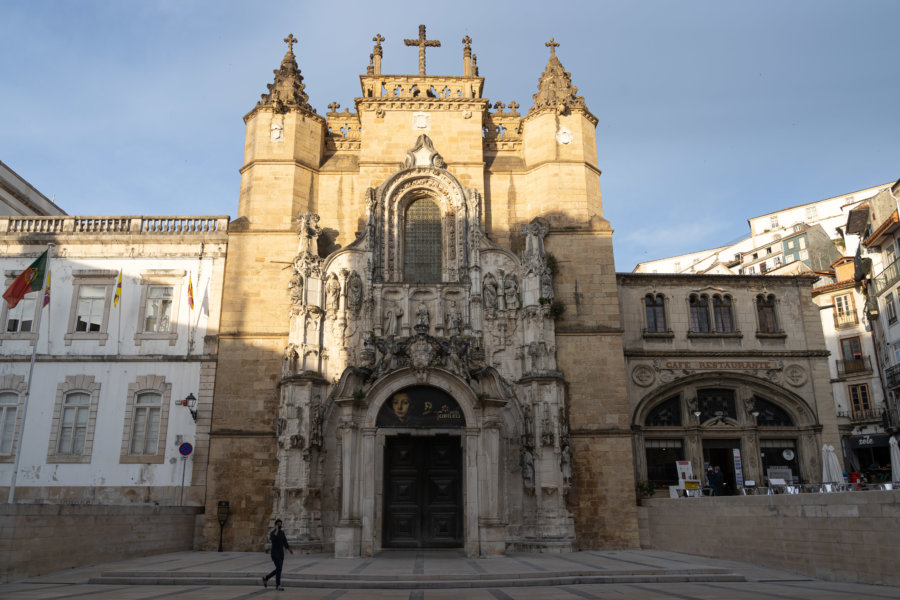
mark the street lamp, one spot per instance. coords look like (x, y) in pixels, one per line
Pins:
(191, 403)
(222, 515)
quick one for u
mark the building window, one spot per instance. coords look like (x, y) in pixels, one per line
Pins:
(146, 420)
(655, 310)
(859, 398)
(844, 311)
(74, 418)
(716, 403)
(160, 300)
(18, 322)
(9, 410)
(661, 458)
(765, 313)
(699, 305)
(773, 222)
(724, 319)
(665, 414)
(762, 267)
(770, 414)
(73, 423)
(769, 250)
(890, 308)
(777, 261)
(91, 301)
(422, 242)
(811, 212)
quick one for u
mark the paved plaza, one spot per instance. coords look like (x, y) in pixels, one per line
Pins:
(436, 575)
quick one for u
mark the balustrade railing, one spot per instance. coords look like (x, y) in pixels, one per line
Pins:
(109, 225)
(853, 366)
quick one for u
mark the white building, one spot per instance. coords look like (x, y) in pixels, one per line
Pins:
(105, 417)
(20, 198)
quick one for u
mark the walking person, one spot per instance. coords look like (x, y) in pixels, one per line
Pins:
(279, 543)
(717, 480)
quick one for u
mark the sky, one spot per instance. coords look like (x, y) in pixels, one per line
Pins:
(710, 112)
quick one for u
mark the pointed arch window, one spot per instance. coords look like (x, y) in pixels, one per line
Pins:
(655, 308)
(422, 242)
(765, 312)
(699, 304)
(770, 414)
(724, 317)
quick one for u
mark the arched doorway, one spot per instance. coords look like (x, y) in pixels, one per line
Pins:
(423, 476)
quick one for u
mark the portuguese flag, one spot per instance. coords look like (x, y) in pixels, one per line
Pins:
(29, 280)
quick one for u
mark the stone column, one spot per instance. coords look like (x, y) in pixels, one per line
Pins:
(491, 528)
(347, 532)
(470, 503)
(367, 497)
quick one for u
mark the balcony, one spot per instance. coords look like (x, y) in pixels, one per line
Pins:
(861, 365)
(859, 416)
(892, 376)
(847, 319)
(888, 277)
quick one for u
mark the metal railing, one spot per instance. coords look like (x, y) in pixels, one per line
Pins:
(853, 366)
(847, 319)
(864, 415)
(888, 277)
(892, 376)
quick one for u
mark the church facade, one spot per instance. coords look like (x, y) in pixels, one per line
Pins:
(437, 360)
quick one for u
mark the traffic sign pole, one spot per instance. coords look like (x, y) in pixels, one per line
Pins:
(185, 449)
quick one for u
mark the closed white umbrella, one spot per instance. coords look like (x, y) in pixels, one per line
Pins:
(831, 467)
(895, 459)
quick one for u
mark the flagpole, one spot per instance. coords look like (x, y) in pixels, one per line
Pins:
(37, 334)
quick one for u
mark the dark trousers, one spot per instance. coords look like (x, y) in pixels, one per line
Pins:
(279, 561)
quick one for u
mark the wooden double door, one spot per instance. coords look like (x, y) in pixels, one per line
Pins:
(422, 492)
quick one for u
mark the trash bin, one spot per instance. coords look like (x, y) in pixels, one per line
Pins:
(855, 477)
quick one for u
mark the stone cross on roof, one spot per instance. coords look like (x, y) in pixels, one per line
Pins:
(378, 39)
(334, 106)
(553, 45)
(290, 40)
(421, 42)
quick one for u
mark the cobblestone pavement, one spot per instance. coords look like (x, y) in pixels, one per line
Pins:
(437, 575)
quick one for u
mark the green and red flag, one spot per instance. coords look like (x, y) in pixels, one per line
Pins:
(29, 280)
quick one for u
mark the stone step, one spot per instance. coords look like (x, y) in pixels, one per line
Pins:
(414, 582)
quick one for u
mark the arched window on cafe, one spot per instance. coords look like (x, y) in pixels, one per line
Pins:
(662, 453)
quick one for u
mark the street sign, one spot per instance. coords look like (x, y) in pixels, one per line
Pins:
(185, 449)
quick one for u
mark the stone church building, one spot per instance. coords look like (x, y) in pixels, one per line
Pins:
(421, 342)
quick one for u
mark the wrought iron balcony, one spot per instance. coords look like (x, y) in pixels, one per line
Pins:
(887, 277)
(854, 366)
(892, 375)
(847, 319)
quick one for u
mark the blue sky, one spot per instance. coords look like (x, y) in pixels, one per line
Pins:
(710, 112)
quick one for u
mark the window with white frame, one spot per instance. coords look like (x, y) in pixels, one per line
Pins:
(146, 420)
(890, 308)
(91, 301)
(9, 410)
(158, 311)
(74, 419)
(773, 221)
(12, 392)
(18, 322)
(811, 212)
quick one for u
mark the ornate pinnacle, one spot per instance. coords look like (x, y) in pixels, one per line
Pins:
(378, 39)
(467, 45)
(287, 90)
(553, 45)
(422, 43)
(334, 106)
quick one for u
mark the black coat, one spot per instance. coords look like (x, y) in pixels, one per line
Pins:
(279, 543)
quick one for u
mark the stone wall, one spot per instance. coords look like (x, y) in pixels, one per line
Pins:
(850, 537)
(36, 539)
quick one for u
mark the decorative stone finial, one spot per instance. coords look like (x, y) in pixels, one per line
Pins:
(422, 43)
(467, 45)
(553, 45)
(287, 90)
(555, 89)
(378, 39)
(334, 106)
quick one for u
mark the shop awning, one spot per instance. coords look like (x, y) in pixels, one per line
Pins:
(869, 441)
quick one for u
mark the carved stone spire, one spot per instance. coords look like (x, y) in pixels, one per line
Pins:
(287, 90)
(555, 89)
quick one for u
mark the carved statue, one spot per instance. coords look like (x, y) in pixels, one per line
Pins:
(547, 284)
(355, 293)
(528, 440)
(490, 291)
(315, 429)
(565, 464)
(534, 258)
(422, 317)
(309, 233)
(332, 294)
(547, 427)
(296, 288)
(290, 361)
(392, 318)
(454, 319)
(527, 469)
(511, 291)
